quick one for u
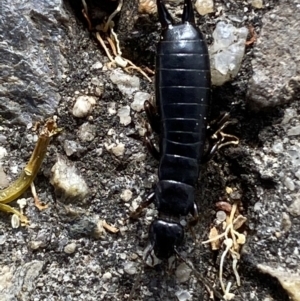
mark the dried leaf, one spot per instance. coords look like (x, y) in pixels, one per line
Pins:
(238, 222)
(110, 228)
(213, 234)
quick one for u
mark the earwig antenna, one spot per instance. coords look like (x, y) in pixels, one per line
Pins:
(199, 277)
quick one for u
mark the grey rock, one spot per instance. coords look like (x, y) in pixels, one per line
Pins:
(32, 37)
(20, 283)
(276, 64)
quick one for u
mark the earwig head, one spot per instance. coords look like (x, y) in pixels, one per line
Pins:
(165, 237)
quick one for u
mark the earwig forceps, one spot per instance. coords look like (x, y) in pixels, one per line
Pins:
(113, 41)
(18, 187)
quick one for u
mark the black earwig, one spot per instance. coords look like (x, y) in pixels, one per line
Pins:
(182, 83)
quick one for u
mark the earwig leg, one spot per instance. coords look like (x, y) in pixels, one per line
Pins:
(152, 116)
(164, 16)
(210, 153)
(194, 220)
(149, 199)
(188, 14)
(151, 148)
(149, 254)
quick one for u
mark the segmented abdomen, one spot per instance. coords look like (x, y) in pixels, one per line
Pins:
(182, 95)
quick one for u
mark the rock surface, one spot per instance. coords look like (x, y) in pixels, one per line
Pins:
(32, 63)
(276, 62)
(19, 283)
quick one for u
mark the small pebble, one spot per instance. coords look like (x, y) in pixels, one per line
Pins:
(111, 132)
(277, 147)
(2, 239)
(130, 268)
(126, 195)
(107, 276)
(95, 81)
(3, 178)
(289, 183)
(294, 209)
(97, 66)
(127, 84)
(2, 139)
(183, 272)
(294, 131)
(257, 206)
(3, 152)
(297, 174)
(124, 114)
(257, 3)
(118, 150)
(139, 100)
(221, 216)
(286, 222)
(35, 244)
(70, 248)
(204, 7)
(87, 132)
(67, 181)
(147, 7)
(71, 147)
(111, 108)
(183, 295)
(288, 115)
(83, 106)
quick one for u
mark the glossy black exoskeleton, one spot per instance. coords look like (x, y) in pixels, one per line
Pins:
(182, 83)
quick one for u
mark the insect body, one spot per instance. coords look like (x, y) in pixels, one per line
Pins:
(182, 96)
